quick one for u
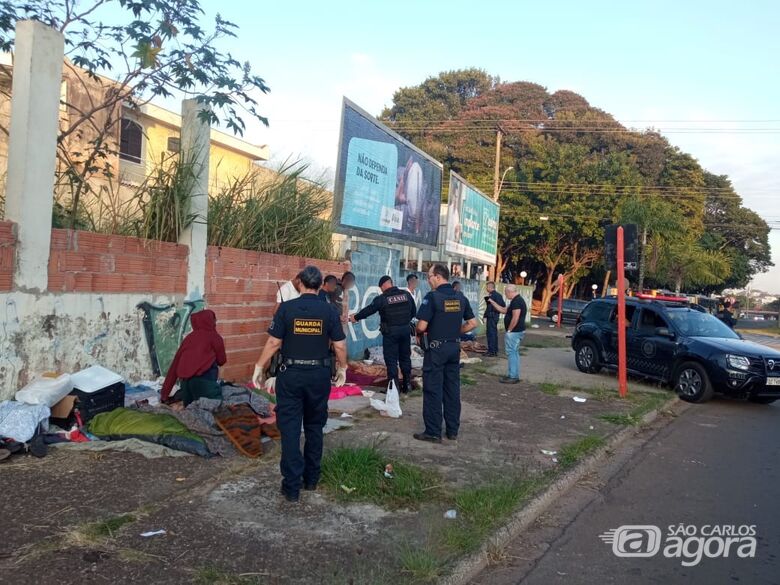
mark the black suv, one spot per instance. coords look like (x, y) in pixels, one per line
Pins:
(677, 344)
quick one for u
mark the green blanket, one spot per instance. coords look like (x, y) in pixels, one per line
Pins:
(163, 429)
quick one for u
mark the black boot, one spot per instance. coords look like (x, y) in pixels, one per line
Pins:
(405, 385)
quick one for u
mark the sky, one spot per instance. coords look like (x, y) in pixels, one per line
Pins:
(699, 63)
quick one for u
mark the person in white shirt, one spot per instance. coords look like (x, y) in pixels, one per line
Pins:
(288, 291)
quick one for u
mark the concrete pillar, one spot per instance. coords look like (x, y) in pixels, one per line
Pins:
(195, 146)
(419, 260)
(32, 148)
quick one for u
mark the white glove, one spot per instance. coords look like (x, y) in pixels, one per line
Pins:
(257, 377)
(270, 386)
(341, 377)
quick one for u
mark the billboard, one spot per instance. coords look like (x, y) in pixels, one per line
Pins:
(386, 189)
(472, 223)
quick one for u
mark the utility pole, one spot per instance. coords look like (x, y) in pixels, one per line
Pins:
(496, 185)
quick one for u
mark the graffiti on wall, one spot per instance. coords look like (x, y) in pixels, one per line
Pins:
(164, 327)
(369, 264)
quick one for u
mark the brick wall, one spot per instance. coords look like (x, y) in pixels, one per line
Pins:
(241, 289)
(90, 262)
(7, 255)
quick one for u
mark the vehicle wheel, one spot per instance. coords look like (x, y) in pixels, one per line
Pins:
(692, 383)
(554, 317)
(586, 356)
(763, 399)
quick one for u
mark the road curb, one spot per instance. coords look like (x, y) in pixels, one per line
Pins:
(469, 567)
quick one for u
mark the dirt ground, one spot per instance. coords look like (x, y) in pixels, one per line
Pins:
(77, 518)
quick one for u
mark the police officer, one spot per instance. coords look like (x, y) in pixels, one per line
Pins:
(441, 323)
(396, 309)
(303, 329)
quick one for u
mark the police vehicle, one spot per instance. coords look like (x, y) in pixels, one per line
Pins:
(679, 344)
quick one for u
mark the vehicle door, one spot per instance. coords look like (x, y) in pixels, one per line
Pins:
(652, 345)
(610, 334)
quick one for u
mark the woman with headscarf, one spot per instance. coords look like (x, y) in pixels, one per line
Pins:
(196, 363)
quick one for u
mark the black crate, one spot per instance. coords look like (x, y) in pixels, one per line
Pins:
(103, 400)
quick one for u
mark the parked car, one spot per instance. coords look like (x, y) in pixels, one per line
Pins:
(685, 347)
(571, 310)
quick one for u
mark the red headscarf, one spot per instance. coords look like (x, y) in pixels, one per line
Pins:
(197, 352)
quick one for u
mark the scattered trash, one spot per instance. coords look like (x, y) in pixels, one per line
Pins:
(555, 460)
(563, 416)
(368, 393)
(153, 533)
(346, 415)
(551, 326)
(181, 479)
(389, 471)
(580, 399)
(451, 514)
(591, 427)
(534, 326)
(546, 452)
(348, 490)
(504, 394)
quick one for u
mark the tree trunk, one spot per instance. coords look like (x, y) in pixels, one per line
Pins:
(678, 285)
(547, 293)
(605, 288)
(641, 282)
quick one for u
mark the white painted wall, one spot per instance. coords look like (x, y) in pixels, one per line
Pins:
(68, 332)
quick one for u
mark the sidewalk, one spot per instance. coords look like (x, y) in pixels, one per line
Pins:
(77, 518)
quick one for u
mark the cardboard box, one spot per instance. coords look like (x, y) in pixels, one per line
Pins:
(63, 408)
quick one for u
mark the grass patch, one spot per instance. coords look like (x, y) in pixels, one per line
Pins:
(422, 565)
(466, 380)
(361, 471)
(545, 341)
(602, 394)
(481, 509)
(550, 388)
(215, 576)
(97, 532)
(645, 402)
(571, 454)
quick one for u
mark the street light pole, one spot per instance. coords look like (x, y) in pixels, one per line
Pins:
(496, 186)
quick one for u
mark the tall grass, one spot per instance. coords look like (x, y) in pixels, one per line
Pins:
(280, 215)
(278, 212)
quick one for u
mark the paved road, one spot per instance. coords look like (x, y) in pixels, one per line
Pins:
(762, 339)
(718, 463)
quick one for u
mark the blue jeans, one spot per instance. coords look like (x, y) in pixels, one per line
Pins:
(512, 343)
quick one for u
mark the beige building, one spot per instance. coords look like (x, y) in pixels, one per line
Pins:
(140, 138)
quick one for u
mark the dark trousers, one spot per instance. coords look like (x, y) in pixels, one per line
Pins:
(397, 349)
(491, 329)
(441, 389)
(301, 398)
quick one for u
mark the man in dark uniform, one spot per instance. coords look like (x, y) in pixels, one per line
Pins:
(491, 318)
(441, 323)
(396, 309)
(303, 329)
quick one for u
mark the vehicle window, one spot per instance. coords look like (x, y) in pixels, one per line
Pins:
(597, 312)
(651, 320)
(630, 310)
(696, 324)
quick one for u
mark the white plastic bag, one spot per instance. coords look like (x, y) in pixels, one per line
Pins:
(48, 391)
(392, 404)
